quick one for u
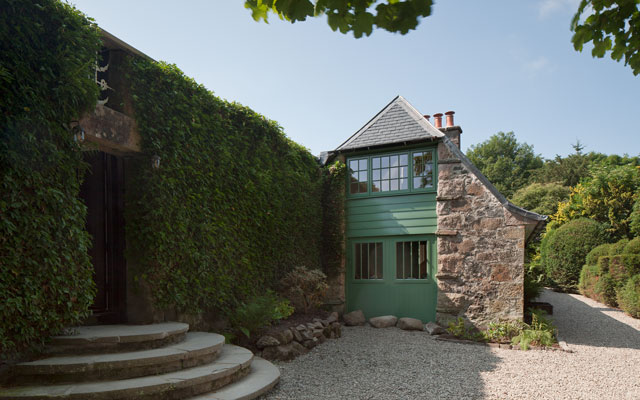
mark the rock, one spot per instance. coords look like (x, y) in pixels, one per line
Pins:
(306, 335)
(434, 329)
(332, 335)
(296, 334)
(333, 317)
(284, 336)
(317, 332)
(326, 331)
(284, 352)
(337, 329)
(301, 328)
(410, 324)
(310, 344)
(321, 339)
(266, 341)
(354, 318)
(385, 321)
(323, 322)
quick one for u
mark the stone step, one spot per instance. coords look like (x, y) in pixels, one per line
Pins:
(115, 338)
(198, 348)
(233, 364)
(262, 378)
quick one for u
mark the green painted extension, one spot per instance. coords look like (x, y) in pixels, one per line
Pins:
(391, 224)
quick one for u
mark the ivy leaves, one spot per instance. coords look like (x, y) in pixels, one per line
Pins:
(613, 26)
(357, 16)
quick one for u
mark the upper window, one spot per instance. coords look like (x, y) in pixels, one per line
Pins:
(389, 173)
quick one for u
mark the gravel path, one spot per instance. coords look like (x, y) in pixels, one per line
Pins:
(369, 363)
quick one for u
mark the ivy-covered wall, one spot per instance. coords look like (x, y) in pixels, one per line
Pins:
(46, 68)
(233, 206)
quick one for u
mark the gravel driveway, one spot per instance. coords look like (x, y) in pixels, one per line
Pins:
(369, 363)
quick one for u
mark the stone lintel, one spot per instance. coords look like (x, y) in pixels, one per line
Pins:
(449, 198)
(446, 232)
(449, 161)
(112, 131)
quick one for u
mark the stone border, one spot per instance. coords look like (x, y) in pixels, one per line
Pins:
(289, 343)
(450, 338)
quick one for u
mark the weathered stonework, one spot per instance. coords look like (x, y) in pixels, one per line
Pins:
(480, 249)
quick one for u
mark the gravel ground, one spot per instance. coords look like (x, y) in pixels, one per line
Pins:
(369, 363)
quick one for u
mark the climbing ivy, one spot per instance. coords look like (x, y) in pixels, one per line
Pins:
(48, 51)
(234, 204)
(333, 202)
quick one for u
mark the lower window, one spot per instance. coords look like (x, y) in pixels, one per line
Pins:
(411, 260)
(368, 259)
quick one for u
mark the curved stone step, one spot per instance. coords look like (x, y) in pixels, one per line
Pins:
(233, 364)
(262, 378)
(114, 338)
(198, 348)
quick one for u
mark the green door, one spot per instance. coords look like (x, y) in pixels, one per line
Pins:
(392, 275)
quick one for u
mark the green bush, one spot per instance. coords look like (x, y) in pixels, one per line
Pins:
(597, 252)
(603, 264)
(542, 198)
(564, 251)
(503, 332)
(541, 332)
(617, 248)
(605, 290)
(633, 247)
(589, 276)
(305, 288)
(618, 269)
(532, 288)
(46, 79)
(259, 312)
(629, 296)
(634, 224)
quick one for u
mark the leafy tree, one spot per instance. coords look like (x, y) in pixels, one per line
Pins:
(613, 26)
(359, 16)
(542, 198)
(505, 162)
(607, 197)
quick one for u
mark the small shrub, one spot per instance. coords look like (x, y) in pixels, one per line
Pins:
(305, 288)
(633, 247)
(460, 330)
(629, 296)
(532, 288)
(588, 278)
(541, 332)
(503, 332)
(618, 247)
(605, 290)
(564, 250)
(597, 252)
(259, 312)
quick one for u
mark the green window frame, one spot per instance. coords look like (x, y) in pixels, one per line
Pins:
(392, 173)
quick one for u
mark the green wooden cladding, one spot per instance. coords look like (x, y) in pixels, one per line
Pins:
(413, 214)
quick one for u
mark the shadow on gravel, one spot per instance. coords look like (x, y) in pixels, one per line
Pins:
(581, 324)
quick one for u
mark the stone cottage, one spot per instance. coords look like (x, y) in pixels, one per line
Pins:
(427, 235)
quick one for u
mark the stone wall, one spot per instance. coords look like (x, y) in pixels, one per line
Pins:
(480, 249)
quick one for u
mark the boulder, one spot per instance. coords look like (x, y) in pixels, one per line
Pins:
(333, 317)
(284, 352)
(266, 341)
(354, 318)
(385, 321)
(296, 334)
(434, 329)
(284, 336)
(410, 324)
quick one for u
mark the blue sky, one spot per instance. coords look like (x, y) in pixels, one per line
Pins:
(501, 65)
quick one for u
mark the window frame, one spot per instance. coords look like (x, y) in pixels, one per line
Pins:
(410, 190)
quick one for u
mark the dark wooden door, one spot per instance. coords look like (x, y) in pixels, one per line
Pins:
(102, 191)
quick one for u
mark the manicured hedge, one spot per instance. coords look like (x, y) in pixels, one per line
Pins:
(597, 252)
(633, 247)
(589, 276)
(48, 53)
(629, 296)
(234, 205)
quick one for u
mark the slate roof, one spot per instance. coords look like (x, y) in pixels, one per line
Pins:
(398, 122)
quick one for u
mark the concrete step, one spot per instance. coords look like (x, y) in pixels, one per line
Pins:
(233, 364)
(262, 378)
(198, 348)
(115, 338)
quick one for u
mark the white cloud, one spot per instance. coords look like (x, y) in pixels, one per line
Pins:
(549, 7)
(537, 66)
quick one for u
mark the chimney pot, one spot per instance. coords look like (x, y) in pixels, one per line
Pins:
(438, 120)
(427, 117)
(449, 115)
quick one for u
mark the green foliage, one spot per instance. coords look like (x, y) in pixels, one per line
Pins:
(541, 198)
(532, 287)
(305, 288)
(605, 290)
(597, 252)
(618, 270)
(603, 264)
(612, 26)
(634, 218)
(347, 16)
(233, 204)
(564, 250)
(629, 296)
(615, 249)
(460, 330)
(333, 203)
(505, 162)
(589, 276)
(607, 196)
(541, 332)
(48, 52)
(633, 247)
(503, 332)
(259, 312)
